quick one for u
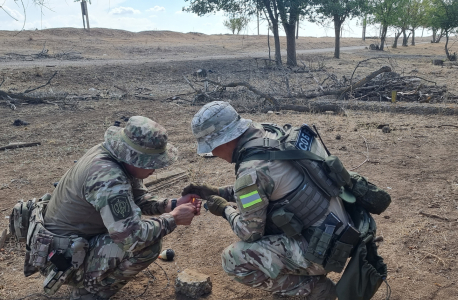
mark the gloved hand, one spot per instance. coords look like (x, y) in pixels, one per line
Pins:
(216, 205)
(203, 190)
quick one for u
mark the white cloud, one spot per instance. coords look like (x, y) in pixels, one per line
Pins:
(124, 11)
(156, 8)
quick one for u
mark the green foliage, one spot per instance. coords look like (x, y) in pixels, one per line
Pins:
(236, 24)
(442, 14)
(339, 10)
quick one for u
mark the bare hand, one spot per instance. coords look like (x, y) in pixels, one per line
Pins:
(193, 199)
(184, 214)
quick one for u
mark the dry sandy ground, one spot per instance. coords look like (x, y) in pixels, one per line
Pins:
(416, 162)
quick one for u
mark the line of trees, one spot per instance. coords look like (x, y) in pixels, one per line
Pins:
(402, 16)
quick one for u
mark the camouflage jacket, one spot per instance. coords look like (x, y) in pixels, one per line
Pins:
(97, 195)
(258, 183)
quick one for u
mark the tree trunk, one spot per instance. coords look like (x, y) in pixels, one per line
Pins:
(396, 37)
(297, 29)
(383, 37)
(277, 44)
(290, 30)
(404, 38)
(434, 35)
(413, 37)
(337, 26)
(274, 23)
(364, 27)
(446, 46)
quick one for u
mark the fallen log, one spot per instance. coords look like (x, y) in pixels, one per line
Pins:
(19, 145)
(363, 81)
(268, 97)
(313, 107)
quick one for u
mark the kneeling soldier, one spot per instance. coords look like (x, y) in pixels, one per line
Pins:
(267, 257)
(92, 236)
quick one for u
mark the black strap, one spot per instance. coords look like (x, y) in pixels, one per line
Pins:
(262, 142)
(284, 155)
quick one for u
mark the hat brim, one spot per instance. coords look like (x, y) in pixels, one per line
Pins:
(123, 152)
(207, 144)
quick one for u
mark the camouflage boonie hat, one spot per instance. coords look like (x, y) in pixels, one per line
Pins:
(217, 123)
(142, 144)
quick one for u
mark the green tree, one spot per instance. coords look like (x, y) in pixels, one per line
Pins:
(443, 14)
(338, 11)
(417, 16)
(284, 12)
(385, 13)
(236, 24)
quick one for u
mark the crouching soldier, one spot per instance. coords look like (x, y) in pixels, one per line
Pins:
(291, 219)
(90, 235)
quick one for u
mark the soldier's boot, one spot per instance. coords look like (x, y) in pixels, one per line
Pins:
(83, 294)
(324, 289)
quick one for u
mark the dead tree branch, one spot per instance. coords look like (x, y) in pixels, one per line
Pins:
(49, 81)
(268, 97)
(19, 145)
(363, 81)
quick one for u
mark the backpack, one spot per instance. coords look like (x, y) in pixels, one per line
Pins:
(20, 217)
(301, 146)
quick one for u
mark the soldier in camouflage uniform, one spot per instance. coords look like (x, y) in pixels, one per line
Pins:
(271, 262)
(102, 199)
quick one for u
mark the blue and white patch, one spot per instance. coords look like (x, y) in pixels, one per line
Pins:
(305, 138)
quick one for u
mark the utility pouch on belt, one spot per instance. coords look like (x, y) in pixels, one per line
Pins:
(342, 249)
(40, 250)
(286, 222)
(321, 240)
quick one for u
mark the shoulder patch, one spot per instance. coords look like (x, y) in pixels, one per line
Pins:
(246, 191)
(120, 207)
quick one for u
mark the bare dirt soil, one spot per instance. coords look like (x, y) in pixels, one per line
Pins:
(113, 74)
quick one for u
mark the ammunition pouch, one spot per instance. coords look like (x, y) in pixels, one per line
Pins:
(329, 249)
(55, 256)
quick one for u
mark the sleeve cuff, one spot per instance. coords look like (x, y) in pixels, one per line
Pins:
(163, 205)
(228, 211)
(170, 221)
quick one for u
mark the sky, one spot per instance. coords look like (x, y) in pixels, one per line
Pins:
(139, 15)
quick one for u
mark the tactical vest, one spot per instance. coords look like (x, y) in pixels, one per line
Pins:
(323, 176)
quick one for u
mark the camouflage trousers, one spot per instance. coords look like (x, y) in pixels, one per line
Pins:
(108, 268)
(276, 264)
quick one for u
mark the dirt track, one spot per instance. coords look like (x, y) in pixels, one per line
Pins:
(415, 162)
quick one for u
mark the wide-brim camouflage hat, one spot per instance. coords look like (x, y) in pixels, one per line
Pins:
(215, 124)
(142, 144)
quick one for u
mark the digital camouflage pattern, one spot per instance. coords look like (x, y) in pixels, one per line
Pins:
(142, 143)
(273, 263)
(217, 123)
